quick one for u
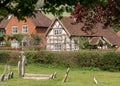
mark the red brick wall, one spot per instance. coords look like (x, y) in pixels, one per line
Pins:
(31, 28)
(15, 22)
(41, 32)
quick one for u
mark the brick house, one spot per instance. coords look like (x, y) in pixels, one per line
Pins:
(34, 25)
(62, 35)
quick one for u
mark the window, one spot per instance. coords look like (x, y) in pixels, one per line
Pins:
(24, 29)
(76, 47)
(57, 31)
(2, 31)
(15, 29)
(57, 46)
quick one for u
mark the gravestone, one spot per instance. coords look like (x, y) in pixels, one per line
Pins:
(11, 75)
(54, 75)
(66, 75)
(8, 76)
(2, 78)
(23, 66)
(19, 68)
(95, 80)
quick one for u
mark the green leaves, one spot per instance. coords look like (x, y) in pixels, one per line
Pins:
(20, 8)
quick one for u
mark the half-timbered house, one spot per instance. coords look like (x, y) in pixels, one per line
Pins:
(61, 35)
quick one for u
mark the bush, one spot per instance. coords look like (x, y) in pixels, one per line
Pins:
(8, 57)
(105, 60)
(111, 61)
(4, 57)
(39, 57)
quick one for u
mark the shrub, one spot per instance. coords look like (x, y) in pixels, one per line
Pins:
(39, 57)
(111, 61)
(4, 57)
(89, 59)
(105, 60)
(30, 55)
(65, 58)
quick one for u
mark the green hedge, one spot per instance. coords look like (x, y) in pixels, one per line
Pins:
(9, 57)
(105, 60)
(3, 57)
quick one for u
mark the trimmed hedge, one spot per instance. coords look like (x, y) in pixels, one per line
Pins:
(9, 57)
(3, 57)
(105, 60)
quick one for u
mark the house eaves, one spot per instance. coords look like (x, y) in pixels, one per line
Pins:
(5, 21)
(53, 22)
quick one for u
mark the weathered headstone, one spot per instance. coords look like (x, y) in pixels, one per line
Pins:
(2, 78)
(54, 75)
(8, 76)
(95, 80)
(66, 75)
(11, 75)
(23, 66)
(5, 69)
(19, 68)
(9, 68)
(51, 76)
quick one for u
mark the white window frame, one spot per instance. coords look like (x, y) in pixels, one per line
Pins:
(57, 31)
(57, 46)
(25, 29)
(2, 31)
(76, 47)
(13, 30)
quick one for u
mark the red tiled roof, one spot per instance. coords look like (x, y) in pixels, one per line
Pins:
(118, 33)
(41, 20)
(94, 40)
(4, 22)
(99, 30)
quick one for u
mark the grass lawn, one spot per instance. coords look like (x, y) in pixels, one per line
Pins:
(77, 77)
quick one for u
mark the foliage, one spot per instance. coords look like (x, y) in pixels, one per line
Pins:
(100, 43)
(7, 43)
(30, 56)
(112, 63)
(9, 57)
(59, 6)
(116, 27)
(25, 8)
(15, 36)
(20, 8)
(19, 37)
(106, 14)
(39, 57)
(107, 60)
(83, 43)
(3, 57)
(36, 38)
(103, 60)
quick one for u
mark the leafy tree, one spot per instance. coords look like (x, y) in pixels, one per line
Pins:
(20, 8)
(26, 8)
(106, 12)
